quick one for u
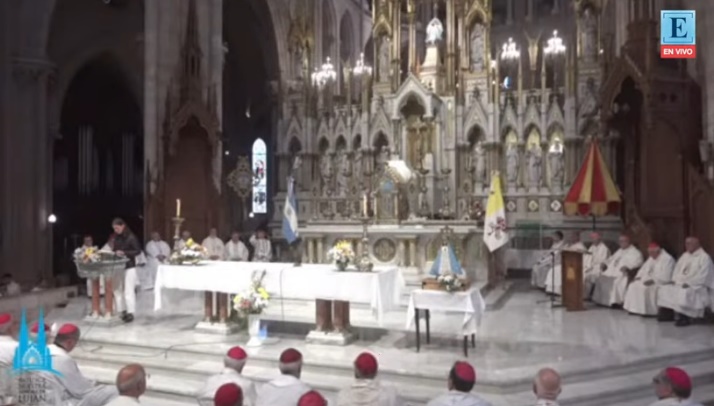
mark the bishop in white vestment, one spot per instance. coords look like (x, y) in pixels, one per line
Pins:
(547, 261)
(78, 390)
(286, 389)
(234, 361)
(641, 297)
(214, 246)
(462, 379)
(261, 244)
(235, 249)
(554, 280)
(688, 294)
(157, 252)
(366, 390)
(611, 285)
(673, 387)
(592, 263)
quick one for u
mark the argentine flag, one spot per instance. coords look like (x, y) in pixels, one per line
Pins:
(290, 218)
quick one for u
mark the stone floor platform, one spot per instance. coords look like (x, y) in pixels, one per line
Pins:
(606, 357)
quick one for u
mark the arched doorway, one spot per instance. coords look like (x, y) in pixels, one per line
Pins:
(98, 161)
(250, 109)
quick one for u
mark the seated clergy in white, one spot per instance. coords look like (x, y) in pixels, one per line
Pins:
(287, 388)
(157, 252)
(78, 390)
(641, 297)
(366, 389)
(673, 387)
(554, 280)
(233, 362)
(181, 242)
(312, 398)
(462, 379)
(235, 249)
(263, 250)
(592, 264)
(611, 285)
(8, 343)
(214, 246)
(229, 394)
(547, 261)
(131, 384)
(693, 280)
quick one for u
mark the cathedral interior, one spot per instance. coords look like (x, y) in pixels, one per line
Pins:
(398, 110)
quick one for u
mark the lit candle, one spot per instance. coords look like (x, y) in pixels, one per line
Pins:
(364, 205)
(178, 208)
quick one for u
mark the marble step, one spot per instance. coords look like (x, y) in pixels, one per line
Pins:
(182, 373)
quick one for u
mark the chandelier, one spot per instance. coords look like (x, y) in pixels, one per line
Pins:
(510, 50)
(325, 75)
(554, 46)
(361, 68)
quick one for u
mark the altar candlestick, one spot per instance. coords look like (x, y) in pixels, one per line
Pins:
(365, 209)
(178, 208)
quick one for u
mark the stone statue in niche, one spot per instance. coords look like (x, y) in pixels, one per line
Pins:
(589, 108)
(477, 164)
(343, 162)
(512, 164)
(478, 37)
(298, 63)
(588, 24)
(326, 173)
(384, 61)
(535, 165)
(434, 32)
(382, 158)
(555, 160)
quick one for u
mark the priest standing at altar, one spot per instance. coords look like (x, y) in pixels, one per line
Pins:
(263, 250)
(214, 246)
(592, 264)
(547, 261)
(641, 297)
(688, 295)
(157, 252)
(611, 285)
(235, 249)
(555, 276)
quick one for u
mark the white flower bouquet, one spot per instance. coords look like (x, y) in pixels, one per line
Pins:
(341, 254)
(190, 253)
(450, 282)
(87, 255)
(254, 299)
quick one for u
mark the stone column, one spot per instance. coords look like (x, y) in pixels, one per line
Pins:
(320, 252)
(412, 252)
(26, 169)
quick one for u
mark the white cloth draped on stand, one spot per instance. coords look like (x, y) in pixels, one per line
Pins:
(696, 271)
(554, 280)
(599, 253)
(545, 264)
(154, 250)
(470, 303)
(215, 248)
(611, 285)
(641, 297)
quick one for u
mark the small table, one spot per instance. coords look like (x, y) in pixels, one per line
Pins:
(469, 302)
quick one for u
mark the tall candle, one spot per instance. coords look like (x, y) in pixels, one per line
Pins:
(178, 208)
(365, 210)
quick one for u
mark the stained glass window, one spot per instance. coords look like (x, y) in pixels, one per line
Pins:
(260, 180)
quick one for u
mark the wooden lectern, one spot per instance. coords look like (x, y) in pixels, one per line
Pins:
(572, 279)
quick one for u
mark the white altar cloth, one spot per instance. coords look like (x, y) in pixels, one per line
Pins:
(470, 303)
(379, 289)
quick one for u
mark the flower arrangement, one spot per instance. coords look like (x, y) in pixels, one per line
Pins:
(450, 282)
(254, 299)
(341, 254)
(190, 253)
(87, 255)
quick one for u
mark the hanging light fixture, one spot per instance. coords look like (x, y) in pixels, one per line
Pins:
(325, 75)
(555, 45)
(510, 51)
(362, 68)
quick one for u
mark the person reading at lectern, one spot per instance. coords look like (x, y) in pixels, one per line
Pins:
(235, 249)
(546, 262)
(554, 280)
(641, 297)
(263, 250)
(611, 285)
(599, 253)
(688, 294)
(214, 245)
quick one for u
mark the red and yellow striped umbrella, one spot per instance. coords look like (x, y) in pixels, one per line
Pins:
(593, 192)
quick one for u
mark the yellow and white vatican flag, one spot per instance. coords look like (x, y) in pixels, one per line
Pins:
(495, 233)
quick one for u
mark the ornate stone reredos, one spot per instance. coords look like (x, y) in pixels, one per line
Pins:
(532, 117)
(380, 124)
(508, 119)
(341, 127)
(293, 130)
(476, 117)
(425, 97)
(555, 115)
(323, 131)
(186, 101)
(479, 11)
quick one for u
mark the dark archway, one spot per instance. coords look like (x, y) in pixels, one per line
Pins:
(250, 82)
(98, 162)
